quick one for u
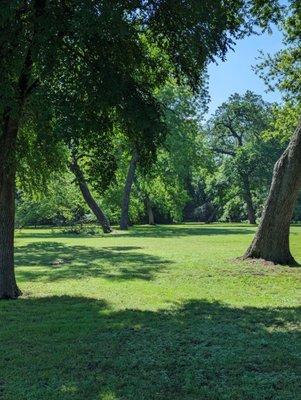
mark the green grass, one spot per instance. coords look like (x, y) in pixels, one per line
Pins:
(162, 312)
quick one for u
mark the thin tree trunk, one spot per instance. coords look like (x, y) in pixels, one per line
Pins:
(247, 196)
(94, 207)
(212, 215)
(8, 285)
(150, 213)
(272, 238)
(124, 220)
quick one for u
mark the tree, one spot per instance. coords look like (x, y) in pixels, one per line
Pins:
(271, 241)
(88, 197)
(124, 219)
(59, 204)
(235, 131)
(63, 54)
(162, 187)
(150, 212)
(166, 185)
(222, 181)
(92, 170)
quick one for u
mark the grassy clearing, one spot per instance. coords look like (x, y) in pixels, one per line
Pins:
(155, 313)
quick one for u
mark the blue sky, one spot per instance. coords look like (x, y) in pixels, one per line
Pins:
(236, 74)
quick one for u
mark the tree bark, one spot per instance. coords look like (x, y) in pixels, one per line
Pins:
(150, 213)
(124, 220)
(271, 242)
(8, 140)
(8, 285)
(89, 199)
(247, 196)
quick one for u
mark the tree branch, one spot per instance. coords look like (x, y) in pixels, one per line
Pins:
(223, 151)
(233, 132)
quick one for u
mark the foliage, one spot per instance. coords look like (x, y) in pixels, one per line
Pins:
(166, 183)
(188, 181)
(60, 204)
(283, 70)
(41, 159)
(285, 121)
(136, 62)
(244, 151)
(56, 58)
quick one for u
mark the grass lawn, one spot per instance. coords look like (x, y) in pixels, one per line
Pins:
(160, 312)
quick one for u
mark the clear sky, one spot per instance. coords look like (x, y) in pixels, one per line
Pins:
(236, 74)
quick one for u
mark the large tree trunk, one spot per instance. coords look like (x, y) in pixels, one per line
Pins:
(94, 207)
(8, 285)
(247, 196)
(124, 220)
(272, 239)
(150, 213)
(8, 139)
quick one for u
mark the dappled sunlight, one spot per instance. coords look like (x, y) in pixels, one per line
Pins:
(76, 262)
(148, 314)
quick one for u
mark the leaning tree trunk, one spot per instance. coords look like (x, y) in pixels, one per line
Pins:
(124, 220)
(94, 207)
(272, 239)
(8, 285)
(150, 213)
(247, 196)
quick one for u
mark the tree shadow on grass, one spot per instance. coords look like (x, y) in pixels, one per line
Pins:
(162, 231)
(157, 231)
(73, 348)
(59, 261)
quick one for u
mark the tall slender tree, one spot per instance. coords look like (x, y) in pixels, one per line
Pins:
(130, 177)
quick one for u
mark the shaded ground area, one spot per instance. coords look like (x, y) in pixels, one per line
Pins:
(76, 262)
(156, 313)
(157, 231)
(79, 348)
